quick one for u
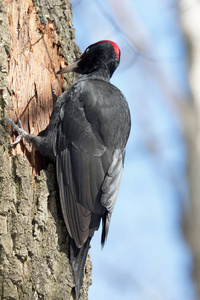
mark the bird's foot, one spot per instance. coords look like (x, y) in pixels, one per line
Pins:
(22, 133)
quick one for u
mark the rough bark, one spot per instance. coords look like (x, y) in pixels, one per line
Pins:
(35, 40)
(190, 13)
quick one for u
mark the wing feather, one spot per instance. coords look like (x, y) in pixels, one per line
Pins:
(76, 217)
(89, 168)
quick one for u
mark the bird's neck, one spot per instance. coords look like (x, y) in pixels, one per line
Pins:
(102, 74)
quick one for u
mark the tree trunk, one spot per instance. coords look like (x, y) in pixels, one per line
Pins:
(190, 13)
(36, 38)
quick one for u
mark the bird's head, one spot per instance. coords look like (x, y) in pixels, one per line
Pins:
(103, 55)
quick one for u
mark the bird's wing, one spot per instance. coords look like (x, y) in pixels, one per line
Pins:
(89, 168)
(82, 161)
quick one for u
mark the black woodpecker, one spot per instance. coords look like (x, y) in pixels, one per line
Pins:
(86, 138)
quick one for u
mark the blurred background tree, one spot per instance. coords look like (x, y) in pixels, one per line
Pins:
(190, 16)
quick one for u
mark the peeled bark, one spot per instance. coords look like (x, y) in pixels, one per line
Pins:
(36, 39)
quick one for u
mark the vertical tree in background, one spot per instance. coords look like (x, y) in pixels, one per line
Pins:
(190, 16)
(36, 38)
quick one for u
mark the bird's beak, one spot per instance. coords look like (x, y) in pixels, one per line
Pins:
(72, 68)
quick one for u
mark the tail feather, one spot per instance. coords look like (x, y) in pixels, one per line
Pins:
(105, 227)
(77, 258)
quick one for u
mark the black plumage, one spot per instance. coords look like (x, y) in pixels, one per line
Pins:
(86, 137)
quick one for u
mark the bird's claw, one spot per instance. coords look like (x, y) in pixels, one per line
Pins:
(19, 123)
(18, 128)
(18, 139)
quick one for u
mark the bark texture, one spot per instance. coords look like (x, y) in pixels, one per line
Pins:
(35, 40)
(190, 13)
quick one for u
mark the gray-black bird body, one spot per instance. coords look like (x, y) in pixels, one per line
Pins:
(87, 136)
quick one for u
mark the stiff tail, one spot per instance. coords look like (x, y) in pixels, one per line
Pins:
(105, 227)
(77, 258)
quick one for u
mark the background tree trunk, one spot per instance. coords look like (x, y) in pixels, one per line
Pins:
(190, 16)
(35, 38)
